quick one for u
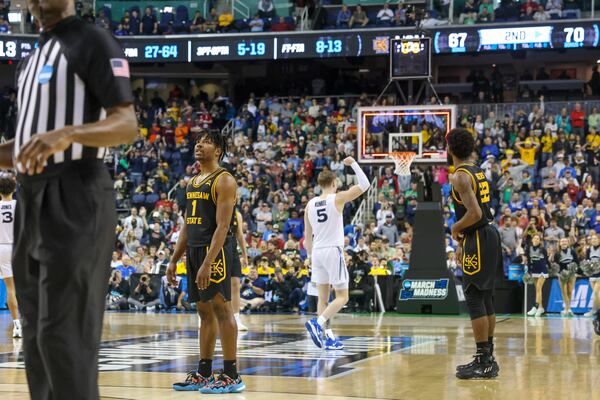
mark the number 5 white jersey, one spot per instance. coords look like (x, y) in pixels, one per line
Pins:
(7, 219)
(326, 221)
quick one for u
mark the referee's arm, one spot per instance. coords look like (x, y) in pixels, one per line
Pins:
(120, 126)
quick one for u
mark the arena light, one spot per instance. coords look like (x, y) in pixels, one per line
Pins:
(14, 17)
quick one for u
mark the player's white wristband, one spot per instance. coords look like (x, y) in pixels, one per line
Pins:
(363, 181)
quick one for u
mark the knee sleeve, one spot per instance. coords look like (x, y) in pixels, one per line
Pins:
(479, 302)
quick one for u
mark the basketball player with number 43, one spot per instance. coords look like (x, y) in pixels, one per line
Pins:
(324, 243)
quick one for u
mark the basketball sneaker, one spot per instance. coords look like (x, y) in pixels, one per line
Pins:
(238, 321)
(532, 312)
(590, 313)
(496, 367)
(333, 344)
(316, 332)
(193, 382)
(540, 311)
(481, 367)
(224, 384)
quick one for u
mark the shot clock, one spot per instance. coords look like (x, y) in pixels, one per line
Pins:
(410, 58)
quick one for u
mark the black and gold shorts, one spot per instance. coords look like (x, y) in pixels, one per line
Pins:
(220, 274)
(481, 257)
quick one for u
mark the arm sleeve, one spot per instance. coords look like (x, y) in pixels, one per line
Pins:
(363, 181)
(106, 73)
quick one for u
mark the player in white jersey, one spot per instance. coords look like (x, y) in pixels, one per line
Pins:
(324, 243)
(7, 217)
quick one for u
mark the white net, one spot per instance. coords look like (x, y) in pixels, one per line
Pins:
(403, 161)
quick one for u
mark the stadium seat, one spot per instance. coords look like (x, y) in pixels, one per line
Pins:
(138, 199)
(151, 200)
(182, 20)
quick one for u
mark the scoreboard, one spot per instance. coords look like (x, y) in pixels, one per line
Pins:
(339, 43)
(410, 58)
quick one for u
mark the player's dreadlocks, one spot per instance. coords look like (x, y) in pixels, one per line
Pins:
(215, 137)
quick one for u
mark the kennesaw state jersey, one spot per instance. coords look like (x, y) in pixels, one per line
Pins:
(7, 218)
(201, 209)
(481, 187)
(326, 221)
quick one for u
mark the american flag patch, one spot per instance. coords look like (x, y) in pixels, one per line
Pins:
(120, 67)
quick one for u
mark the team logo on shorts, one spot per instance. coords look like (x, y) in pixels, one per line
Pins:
(471, 264)
(424, 289)
(218, 269)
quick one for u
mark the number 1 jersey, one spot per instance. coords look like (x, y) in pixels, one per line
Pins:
(481, 187)
(326, 221)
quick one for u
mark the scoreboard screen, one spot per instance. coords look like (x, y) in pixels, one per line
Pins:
(410, 58)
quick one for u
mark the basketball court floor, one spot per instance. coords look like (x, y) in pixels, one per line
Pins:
(386, 357)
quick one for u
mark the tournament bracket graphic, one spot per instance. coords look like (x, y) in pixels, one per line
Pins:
(266, 354)
(424, 289)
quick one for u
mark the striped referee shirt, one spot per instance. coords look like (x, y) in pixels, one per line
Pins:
(77, 72)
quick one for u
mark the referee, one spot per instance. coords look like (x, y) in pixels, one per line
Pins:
(74, 100)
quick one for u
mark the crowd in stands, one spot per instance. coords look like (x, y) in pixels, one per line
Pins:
(180, 19)
(543, 168)
(483, 11)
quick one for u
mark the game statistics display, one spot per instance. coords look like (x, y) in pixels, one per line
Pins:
(410, 58)
(418, 129)
(339, 43)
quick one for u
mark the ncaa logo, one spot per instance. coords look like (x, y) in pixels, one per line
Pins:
(407, 284)
(45, 74)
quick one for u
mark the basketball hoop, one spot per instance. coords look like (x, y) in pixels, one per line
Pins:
(403, 161)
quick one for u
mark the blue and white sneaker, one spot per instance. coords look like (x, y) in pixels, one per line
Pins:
(333, 344)
(193, 382)
(224, 384)
(316, 332)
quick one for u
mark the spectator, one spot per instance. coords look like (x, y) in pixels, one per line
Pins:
(385, 16)
(359, 17)
(118, 292)
(225, 22)
(149, 23)
(468, 9)
(252, 291)
(101, 20)
(286, 290)
(554, 7)
(134, 23)
(126, 268)
(537, 265)
(4, 26)
(281, 26)
(343, 17)
(541, 15)
(388, 230)
(256, 24)
(173, 295)
(212, 21)
(198, 23)
(266, 9)
(578, 121)
(360, 287)
(144, 296)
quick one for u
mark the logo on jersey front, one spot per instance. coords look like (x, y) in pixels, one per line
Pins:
(424, 289)
(45, 74)
(259, 353)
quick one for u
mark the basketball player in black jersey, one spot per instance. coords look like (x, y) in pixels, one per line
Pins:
(208, 237)
(479, 251)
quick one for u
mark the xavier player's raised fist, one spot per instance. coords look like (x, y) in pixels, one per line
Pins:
(348, 161)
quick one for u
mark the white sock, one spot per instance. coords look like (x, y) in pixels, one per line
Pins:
(321, 321)
(17, 323)
(329, 334)
(236, 316)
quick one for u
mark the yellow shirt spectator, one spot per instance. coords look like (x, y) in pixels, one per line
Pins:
(547, 142)
(527, 151)
(379, 271)
(225, 20)
(181, 268)
(593, 141)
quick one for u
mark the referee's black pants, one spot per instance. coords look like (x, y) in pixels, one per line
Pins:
(64, 236)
